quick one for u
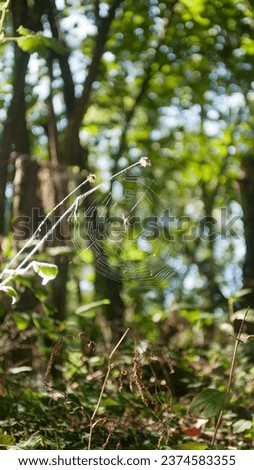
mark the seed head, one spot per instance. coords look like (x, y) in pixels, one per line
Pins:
(144, 161)
(91, 178)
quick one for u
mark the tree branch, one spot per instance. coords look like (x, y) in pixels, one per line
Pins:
(63, 59)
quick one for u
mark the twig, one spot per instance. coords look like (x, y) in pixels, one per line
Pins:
(231, 374)
(92, 422)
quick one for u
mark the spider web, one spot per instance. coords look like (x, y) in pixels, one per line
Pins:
(125, 230)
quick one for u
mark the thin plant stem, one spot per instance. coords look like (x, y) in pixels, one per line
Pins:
(92, 422)
(4, 9)
(37, 231)
(231, 374)
(68, 211)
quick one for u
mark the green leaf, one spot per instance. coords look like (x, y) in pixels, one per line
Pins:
(32, 443)
(6, 440)
(22, 320)
(248, 45)
(240, 293)
(196, 8)
(31, 42)
(25, 31)
(241, 425)
(84, 308)
(46, 271)
(9, 291)
(209, 403)
(40, 292)
(54, 44)
(190, 446)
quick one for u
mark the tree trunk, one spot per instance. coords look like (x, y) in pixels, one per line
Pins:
(247, 197)
(15, 135)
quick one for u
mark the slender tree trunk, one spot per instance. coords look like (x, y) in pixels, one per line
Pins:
(247, 196)
(15, 136)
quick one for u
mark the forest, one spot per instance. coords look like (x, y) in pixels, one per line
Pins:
(126, 224)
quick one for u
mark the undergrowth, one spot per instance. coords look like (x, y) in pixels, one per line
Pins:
(134, 396)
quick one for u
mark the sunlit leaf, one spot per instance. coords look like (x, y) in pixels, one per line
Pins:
(242, 425)
(46, 271)
(190, 446)
(196, 8)
(248, 45)
(25, 31)
(31, 44)
(36, 42)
